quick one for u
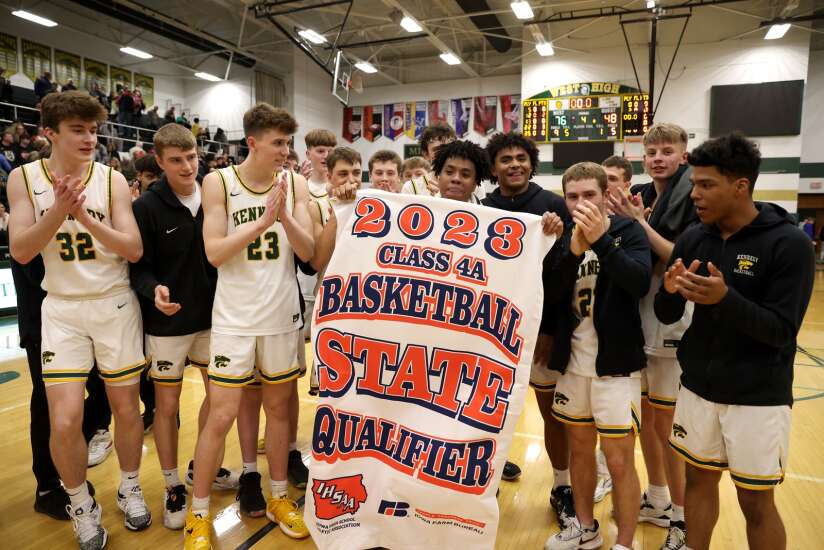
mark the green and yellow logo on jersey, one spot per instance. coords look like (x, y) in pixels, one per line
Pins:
(561, 399)
(221, 361)
(679, 431)
(47, 357)
(164, 365)
(745, 265)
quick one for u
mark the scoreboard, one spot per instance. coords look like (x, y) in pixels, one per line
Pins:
(608, 117)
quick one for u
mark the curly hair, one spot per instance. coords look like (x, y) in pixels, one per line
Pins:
(463, 150)
(733, 155)
(500, 141)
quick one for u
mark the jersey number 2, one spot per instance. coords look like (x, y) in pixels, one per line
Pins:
(83, 243)
(272, 251)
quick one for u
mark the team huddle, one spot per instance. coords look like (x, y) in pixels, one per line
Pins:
(673, 304)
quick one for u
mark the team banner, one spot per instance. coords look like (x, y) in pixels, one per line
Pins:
(36, 59)
(511, 113)
(120, 77)
(415, 119)
(66, 67)
(438, 111)
(486, 114)
(393, 120)
(8, 53)
(352, 123)
(95, 72)
(459, 113)
(423, 348)
(145, 84)
(372, 122)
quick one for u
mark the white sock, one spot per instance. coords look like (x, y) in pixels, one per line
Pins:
(658, 495)
(279, 488)
(200, 506)
(293, 446)
(617, 546)
(128, 481)
(171, 477)
(677, 513)
(80, 497)
(561, 478)
(249, 467)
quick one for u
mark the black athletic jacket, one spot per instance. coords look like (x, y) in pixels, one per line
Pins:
(674, 211)
(174, 256)
(535, 200)
(30, 294)
(623, 279)
(741, 350)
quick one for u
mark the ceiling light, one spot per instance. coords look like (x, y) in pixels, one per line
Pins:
(522, 10)
(544, 49)
(410, 25)
(34, 18)
(312, 36)
(777, 31)
(450, 58)
(650, 4)
(366, 67)
(137, 53)
(209, 77)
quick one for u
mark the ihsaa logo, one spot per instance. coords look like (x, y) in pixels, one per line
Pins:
(392, 508)
(338, 496)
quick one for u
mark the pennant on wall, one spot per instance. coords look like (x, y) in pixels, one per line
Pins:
(352, 123)
(486, 115)
(438, 111)
(372, 122)
(459, 114)
(511, 113)
(415, 119)
(393, 123)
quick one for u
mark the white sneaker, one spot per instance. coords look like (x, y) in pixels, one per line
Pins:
(134, 507)
(676, 538)
(656, 516)
(573, 538)
(602, 489)
(100, 447)
(174, 507)
(90, 534)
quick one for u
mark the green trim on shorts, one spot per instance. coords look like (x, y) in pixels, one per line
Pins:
(125, 373)
(278, 378)
(231, 381)
(543, 387)
(699, 462)
(755, 483)
(571, 420)
(64, 376)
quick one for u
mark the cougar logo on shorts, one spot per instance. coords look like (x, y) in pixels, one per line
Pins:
(47, 357)
(164, 365)
(561, 399)
(679, 431)
(338, 496)
(221, 361)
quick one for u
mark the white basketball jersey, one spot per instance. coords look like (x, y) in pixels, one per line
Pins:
(257, 292)
(310, 284)
(76, 265)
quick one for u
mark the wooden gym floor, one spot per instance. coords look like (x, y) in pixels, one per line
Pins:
(525, 522)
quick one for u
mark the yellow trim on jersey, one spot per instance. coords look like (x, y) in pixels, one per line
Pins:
(292, 185)
(225, 189)
(109, 190)
(320, 213)
(45, 170)
(318, 196)
(237, 175)
(26, 181)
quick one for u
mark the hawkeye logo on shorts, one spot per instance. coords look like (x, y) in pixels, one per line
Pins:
(47, 357)
(679, 431)
(745, 265)
(561, 399)
(221, 361)
(164, 365)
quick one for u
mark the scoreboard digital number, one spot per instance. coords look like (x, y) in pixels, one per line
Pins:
(535, 119)
(585, 118)
(635, 114)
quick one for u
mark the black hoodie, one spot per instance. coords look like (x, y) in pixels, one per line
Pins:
(535, 200)
(741, 350)
(173, 256)
(623, 278)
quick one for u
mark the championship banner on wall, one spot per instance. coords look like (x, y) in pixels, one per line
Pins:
(459, 115)
(393, 120)
(120, 77)
(511, 113)
(423, 348)
(146, 85)
(352, 123)
(438, 111)
(66, 67)
(486, 115)
(36, 59)
(372, 122)
(95, 72)
(8, 53)
(415, 119)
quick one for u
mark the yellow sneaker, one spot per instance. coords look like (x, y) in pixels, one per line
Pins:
(197, 534)
(284, 512)
(261, 449)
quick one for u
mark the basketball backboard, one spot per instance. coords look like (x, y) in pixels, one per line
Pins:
(342, 81)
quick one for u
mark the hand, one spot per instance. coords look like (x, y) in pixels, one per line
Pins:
(275, 201)
(80, 213)
(627, 205)
(591, 222)
(552, 224)
(677, 269)
(578, 244)
(306, 168)
(67, 194)
(703, 290)
(162, 302)
(345, 192)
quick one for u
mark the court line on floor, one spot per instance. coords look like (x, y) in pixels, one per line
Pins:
(263, 531)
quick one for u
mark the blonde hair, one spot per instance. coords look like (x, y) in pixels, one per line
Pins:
(585, 171)
(173, 135)
(320, 137)
(416, 162)
(665, 132)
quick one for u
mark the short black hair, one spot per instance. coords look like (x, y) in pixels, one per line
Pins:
(733, 155)
(148, 164)
(437, 131)
(500, 141)
(463, 150)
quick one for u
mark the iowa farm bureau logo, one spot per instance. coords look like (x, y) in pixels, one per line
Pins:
(338, 496)
(392, 508)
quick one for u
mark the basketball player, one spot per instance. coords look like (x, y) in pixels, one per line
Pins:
(414, 168)
(514, 161)
(77, 214)
(255, 222)
(664, 209)
(750, 273)
(619, 173)
(416, 176)
(599, 347)
(385, 171)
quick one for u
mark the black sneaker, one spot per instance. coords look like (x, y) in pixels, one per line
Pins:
(53, 504)
(296, 471)
(561, 501)
(174, 507)
(148, 421)
(676, 536)
(511, 471)
(250, 495)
